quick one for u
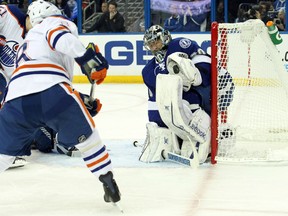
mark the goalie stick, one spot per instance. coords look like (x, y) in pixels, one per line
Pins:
(173, 157)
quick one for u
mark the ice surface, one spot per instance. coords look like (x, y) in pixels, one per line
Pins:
(56, 185)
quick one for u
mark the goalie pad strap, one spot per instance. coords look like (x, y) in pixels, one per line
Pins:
(157, 140)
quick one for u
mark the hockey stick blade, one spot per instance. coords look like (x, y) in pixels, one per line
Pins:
(136, 144)
(179, 159)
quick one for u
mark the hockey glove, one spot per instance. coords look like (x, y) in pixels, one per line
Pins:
(93, 64)
(93, 105)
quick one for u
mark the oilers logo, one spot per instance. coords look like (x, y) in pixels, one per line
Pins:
(8, 53)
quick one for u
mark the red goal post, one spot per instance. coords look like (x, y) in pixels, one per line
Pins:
(249, 114)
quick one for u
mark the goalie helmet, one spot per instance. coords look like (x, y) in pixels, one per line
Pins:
(40, 9)
(152, 35)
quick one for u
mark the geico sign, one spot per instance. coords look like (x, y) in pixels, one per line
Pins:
(122, 52)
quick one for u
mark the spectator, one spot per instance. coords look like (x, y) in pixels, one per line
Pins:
(241, 15)
(280, 22)
(220, 13)
(104, 7)
(278, 4)
(173, 22)
(73, 10)
(253, 13)
(110, 21)
(62, 5)
(98, 4)
(264, 7)
(193, 22)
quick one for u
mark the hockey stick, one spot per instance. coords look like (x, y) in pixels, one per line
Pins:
(92, 90)
(178, 159)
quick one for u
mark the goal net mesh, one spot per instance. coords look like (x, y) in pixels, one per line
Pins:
(252, 98)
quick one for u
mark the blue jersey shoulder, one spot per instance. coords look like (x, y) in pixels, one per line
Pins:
(183, 45)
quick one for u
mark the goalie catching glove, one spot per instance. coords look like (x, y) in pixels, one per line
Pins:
(93, 64)
(179, 64)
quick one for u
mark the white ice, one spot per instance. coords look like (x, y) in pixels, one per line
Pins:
(57, 185)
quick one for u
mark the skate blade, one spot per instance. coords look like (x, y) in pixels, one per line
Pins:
(118, 205)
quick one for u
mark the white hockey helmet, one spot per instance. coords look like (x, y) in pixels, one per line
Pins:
(40, 9)
(154, 33)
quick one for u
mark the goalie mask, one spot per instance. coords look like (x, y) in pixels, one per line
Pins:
(40, 9)
(156, 40)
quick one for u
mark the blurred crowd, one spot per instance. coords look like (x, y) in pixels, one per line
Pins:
(195, 15)
(173, 15)
(266, 10)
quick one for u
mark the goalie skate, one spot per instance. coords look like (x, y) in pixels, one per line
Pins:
(18, 162)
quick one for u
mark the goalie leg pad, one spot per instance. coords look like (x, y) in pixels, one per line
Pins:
(157, 140)
(178, 116)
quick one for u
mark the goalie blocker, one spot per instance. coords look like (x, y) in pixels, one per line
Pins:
(192, 128)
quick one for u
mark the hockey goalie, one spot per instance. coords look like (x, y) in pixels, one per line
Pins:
(179, 87)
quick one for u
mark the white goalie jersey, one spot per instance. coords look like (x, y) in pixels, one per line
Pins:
(57, 34)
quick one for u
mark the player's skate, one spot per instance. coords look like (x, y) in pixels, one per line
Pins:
(18, 162)
(112, 193)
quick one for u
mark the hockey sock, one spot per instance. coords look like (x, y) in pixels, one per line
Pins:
(95, 155)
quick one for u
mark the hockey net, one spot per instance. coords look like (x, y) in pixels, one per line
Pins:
(250, 121)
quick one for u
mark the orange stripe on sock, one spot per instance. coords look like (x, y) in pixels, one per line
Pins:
(98, 161)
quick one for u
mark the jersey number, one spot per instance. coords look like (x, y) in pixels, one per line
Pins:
(21, 55)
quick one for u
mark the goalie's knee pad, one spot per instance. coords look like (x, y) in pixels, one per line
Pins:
(157, 140)
(200, 123)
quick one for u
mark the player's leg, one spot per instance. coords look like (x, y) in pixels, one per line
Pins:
(16, 133)
(45, 140)
(76, 127)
